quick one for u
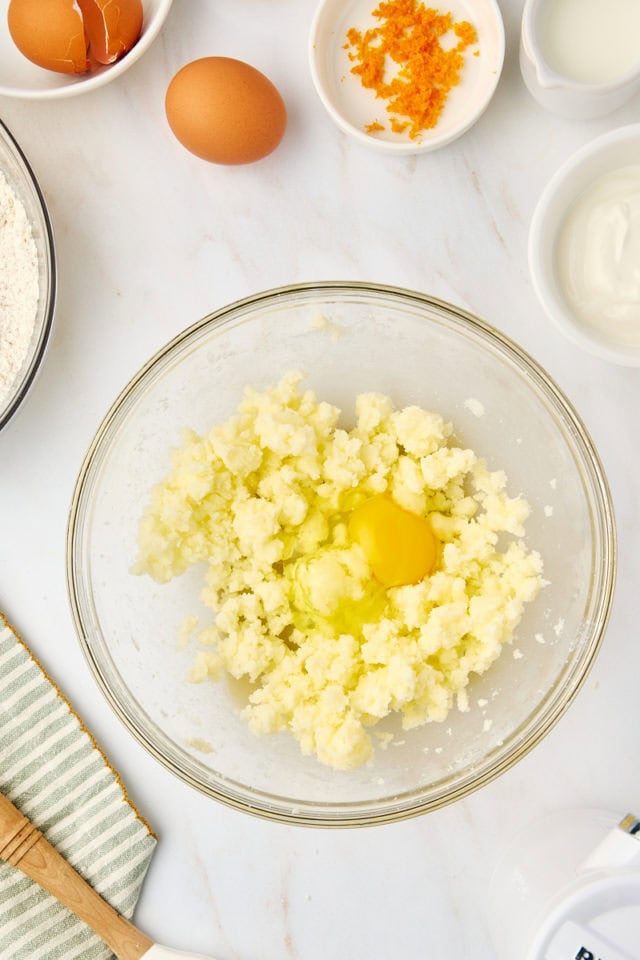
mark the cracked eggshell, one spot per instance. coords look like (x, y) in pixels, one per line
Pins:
(50, 33)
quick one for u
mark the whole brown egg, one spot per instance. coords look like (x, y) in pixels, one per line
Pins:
(225, 111)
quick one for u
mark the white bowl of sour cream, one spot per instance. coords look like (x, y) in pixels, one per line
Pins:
(584, 247)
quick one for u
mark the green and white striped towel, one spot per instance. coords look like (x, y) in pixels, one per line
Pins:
(52, 769)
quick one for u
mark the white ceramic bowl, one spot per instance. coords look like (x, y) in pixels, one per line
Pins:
(353, 107)
(618, 148)
(21, 78)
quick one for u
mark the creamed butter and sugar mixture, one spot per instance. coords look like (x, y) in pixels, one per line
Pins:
(267, 501)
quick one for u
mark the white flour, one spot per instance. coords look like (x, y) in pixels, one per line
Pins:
(19, 288)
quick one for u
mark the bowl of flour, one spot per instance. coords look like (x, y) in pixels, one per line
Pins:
(27, 276)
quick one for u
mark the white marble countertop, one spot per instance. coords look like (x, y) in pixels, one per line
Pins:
(149, 239)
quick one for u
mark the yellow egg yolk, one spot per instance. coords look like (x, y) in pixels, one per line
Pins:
(400, 546)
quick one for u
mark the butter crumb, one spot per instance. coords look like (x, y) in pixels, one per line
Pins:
(384, 739)
(320, 322)
(548, 511)
(187, 628)
(208, 666)
(558, 627)
(553, 483)
(539, 638)
(517, 654)
(203, 746)
(474, 406)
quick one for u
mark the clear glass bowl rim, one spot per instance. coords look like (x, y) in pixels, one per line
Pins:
(274, 807)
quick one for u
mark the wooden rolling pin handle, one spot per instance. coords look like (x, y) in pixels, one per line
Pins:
(17, 836)
(22, 845)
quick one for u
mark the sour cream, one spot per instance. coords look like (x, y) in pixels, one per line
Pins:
(590, 41)
(598, 256)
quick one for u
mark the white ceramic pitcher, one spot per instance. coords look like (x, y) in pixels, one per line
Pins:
(561, 94)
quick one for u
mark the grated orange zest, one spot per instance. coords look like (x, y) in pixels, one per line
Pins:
(409, 34)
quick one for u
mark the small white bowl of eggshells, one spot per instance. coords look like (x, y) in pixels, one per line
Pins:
(53, 48)
(584, 247)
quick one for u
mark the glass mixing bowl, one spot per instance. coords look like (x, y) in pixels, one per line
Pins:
(21, 179)
(419, 351)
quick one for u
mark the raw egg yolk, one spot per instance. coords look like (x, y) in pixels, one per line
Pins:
(400, 546)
